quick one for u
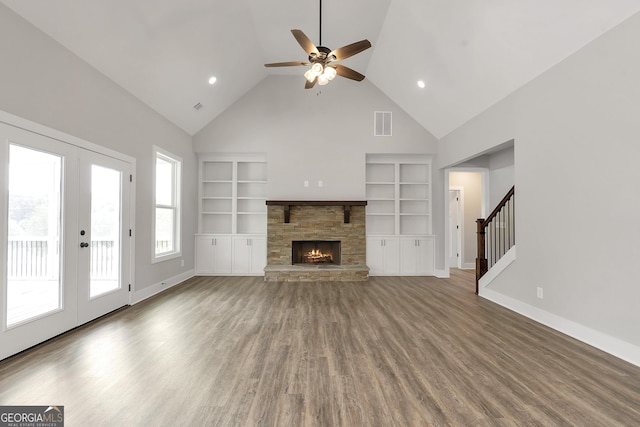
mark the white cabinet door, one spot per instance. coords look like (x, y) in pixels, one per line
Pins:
(383, 256)
(213, 254)
(222, 254)
(416, 256)
(375, 256)
(409, 256)
(204, 254)
(391, 256)
(425, 256)
(258, 255)
(241, 255)
(249, 255)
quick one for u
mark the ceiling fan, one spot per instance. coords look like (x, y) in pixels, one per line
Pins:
(323, 60)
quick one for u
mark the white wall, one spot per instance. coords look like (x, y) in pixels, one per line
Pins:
(43, 82)
(577, 147)
(501, 176)
(311, 136)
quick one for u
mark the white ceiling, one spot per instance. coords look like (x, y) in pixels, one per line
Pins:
(471, 53)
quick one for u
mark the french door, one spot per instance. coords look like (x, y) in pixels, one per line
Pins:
(65, 237)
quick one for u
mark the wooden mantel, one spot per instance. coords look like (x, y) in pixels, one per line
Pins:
(346, 204)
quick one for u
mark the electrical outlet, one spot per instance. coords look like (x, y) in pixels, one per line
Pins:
(320, 183)
(182, 263)
(306, 183)
(540, 293)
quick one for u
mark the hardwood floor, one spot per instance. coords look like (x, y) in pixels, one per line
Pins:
(388, 352)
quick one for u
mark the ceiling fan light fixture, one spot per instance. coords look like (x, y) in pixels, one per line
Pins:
(323, 79)
(330, 73)
(309, 75)
(316, 70)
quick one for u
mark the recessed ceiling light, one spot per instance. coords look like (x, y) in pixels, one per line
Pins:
(212, 80)
(421, 84)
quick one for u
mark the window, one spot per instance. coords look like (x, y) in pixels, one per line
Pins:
(166, 224)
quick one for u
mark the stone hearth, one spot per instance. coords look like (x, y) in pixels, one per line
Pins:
(341, 221)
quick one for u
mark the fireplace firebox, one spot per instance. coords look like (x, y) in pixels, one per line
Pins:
(312, 252)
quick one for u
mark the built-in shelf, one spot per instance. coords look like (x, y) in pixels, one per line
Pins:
(233, 191)
(398, 189)
(399, 215)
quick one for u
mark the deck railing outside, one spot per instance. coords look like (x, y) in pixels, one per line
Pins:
(35, 258)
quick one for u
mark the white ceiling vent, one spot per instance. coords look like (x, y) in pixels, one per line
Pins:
(382, 123)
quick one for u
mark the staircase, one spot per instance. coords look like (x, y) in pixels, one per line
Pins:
(496, 234)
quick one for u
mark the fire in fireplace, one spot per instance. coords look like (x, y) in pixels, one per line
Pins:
(315, 252)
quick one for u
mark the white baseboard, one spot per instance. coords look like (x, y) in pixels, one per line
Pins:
(152, 290)
(442, 274)
(614, 346)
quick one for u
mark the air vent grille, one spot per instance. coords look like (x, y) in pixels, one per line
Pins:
(382, 123)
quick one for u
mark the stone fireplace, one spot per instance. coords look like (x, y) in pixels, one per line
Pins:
(316, 241)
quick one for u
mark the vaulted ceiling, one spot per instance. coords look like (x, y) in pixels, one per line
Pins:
(470, 53)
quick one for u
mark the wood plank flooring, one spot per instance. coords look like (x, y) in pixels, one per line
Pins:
(393, 351)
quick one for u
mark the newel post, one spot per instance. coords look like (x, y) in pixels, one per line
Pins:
(481, 260)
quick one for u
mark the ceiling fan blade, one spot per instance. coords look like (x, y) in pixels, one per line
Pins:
(350, 50)
(305, 42)
(310, 84)
(347, 72)
(286, 64)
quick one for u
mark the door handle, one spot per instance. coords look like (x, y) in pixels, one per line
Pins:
(84, 245)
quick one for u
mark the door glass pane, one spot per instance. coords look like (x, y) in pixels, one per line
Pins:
(164, 230)
(33, 253)
(105, 230)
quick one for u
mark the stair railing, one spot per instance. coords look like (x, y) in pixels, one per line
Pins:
(496, 234)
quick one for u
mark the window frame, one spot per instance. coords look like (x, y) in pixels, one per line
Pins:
(176, 205)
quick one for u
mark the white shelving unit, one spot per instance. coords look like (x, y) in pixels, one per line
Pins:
(398, 195)
(251, 197)
(399, 240)
(414, 208)
(232, 208)
(382, 195)
(216, 196)
(233, 194)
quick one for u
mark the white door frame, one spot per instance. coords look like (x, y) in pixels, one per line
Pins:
(485, 203)
(35, 128)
